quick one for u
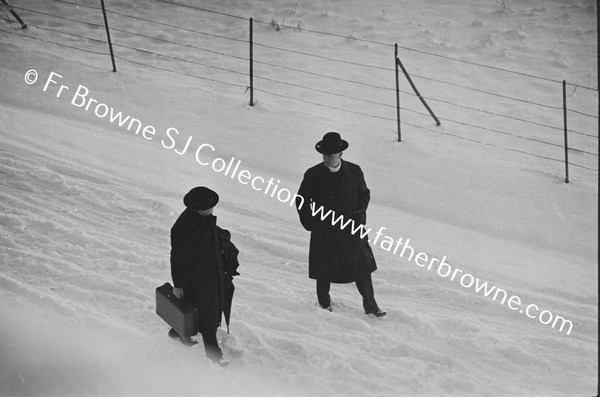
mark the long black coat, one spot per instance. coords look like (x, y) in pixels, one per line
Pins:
(336, 255)
(203, 263)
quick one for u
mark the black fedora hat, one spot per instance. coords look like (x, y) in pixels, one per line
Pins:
(200, 198)
(331, 143)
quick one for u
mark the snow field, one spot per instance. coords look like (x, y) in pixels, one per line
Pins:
(87, 207)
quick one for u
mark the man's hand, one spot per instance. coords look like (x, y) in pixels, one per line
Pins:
(178, 292)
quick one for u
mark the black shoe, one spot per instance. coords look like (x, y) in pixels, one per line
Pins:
(377, 312)
(189, 341)
(186, 341)
(221, 362)
(217, 358)
(328, 308)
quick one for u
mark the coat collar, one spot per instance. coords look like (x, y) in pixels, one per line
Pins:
(197, 218)
(324, 168)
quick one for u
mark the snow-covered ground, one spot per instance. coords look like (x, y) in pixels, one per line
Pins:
(86, 206)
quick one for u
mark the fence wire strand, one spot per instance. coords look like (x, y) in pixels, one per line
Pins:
(317, 56)
(349, 37)
(321, 75)
(53, 42)
(228, 83)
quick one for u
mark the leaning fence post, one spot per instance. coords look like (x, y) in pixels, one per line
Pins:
(397, 92)
(112, 56)
(251, 67)
(14, 13)
(565, 125)
(437, 121)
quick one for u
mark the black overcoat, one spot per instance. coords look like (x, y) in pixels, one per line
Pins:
(336, 255)
(203, 263)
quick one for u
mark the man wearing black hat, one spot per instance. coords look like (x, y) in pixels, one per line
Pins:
(337, 255)
(203, 263)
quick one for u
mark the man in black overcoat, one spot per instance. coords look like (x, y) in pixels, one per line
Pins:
(203, 263)
(336, 255)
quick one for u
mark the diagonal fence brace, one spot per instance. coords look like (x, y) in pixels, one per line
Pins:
(437, 121)
(23, 24)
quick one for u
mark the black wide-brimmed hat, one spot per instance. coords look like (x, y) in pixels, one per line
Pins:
(200, 198)
(331, 143)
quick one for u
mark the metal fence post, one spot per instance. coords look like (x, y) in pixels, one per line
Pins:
(112, 56)
(251, 66)
(397, 92)
(565, 125)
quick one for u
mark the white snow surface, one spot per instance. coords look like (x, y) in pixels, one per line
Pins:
(86, 206)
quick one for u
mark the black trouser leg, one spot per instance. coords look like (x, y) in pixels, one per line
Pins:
(211, 346)
(365, 287)
(323, 287)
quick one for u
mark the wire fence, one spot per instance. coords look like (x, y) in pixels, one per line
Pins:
(529, 122)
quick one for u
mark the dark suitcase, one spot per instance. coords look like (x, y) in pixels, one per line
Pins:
(180, 314)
